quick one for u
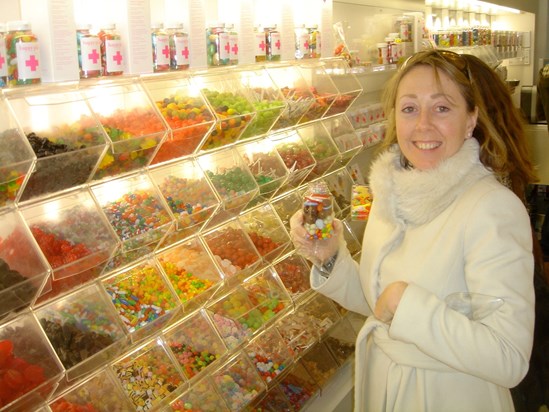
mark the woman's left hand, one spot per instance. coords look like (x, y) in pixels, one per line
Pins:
(388, 301)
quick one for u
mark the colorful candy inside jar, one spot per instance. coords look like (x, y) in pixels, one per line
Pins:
(318, 212)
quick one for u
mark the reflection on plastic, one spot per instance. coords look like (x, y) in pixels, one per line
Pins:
(475, 306)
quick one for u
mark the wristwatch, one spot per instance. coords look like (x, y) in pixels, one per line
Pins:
(326, 268)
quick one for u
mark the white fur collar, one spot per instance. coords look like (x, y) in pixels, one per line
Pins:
(414, 197)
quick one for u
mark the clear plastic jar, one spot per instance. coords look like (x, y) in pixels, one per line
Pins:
(382, 50)
(218, 46)
(179, 46)
(273, 43)
(89, 52)
(3, 57)
(112, 59)
(301, 42)
(233, 44)
(314, 41)
(23, 51)
(160, 48)
(318, 211)
(260, 44)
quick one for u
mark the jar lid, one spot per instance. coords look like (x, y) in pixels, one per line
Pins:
(18, 25)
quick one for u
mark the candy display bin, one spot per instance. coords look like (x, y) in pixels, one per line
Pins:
(322, 147)
(265, 97)
(320, 363)
(297, 331)
(142, 298)
(299, 386)
(136, 212)
(353, 244)
(184, 109)
(233, 111)
(72, 233)
(297, 94)
(274, 401)
(191, 272)
(83, 329)
(266, 231)
(189, 196)
(23, 269)
(134, 127)
(346, 82)
(195, 344)
(346, 139)
(270, 355)
(340, 340)
(30, 369)
(65, 136)
(341, 184)
(16, 157)
(321, 312)
(266, 166)
(238, 382)
(294, 271)
(322, 87)
(232, 181)
(286, 205)
(149, 376)
(232, 250)
(201, 396)
(100, 391)
(296, 157)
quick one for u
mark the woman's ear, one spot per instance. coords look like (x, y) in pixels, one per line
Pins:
(472, 123)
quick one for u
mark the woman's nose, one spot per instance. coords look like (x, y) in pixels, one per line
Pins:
(424, 119)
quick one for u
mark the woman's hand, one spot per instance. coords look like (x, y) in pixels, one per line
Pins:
(388, 301)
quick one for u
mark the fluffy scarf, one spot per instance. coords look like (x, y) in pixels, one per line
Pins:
(414, 197)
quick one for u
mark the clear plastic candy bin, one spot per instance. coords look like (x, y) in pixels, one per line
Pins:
(23, 268)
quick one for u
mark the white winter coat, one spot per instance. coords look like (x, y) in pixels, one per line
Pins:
(451, 229)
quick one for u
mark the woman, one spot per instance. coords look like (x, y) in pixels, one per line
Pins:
(441, 223)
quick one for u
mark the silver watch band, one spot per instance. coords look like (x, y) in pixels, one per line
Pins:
(326, 268)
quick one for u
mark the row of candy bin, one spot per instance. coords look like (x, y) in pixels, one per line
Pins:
(70, 134)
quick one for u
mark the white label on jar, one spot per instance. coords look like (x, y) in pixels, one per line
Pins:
(260, 45)
(224, 46)
(3, 60)
(303, 43)
(181, 49)
(233, 44)
(275, 44)
(162, 50)
(90, 48)
(28, 60)
(114, 56)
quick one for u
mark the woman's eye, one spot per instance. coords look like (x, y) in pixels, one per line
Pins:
(407, 109)
(443, 109)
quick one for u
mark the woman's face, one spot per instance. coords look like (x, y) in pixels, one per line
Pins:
(432, 122)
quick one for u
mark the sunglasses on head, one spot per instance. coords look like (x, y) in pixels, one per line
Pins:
(455, 59)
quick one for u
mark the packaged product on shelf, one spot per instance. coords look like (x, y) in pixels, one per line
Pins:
(202, 395)
(361, 202)
(112, 57)
(233, 44)
(3, 56)
(301, 42)
(318, 212)
(179, 46)
(260, 45)
(273, 43)
(89, 52)
(148, 376)
(217, 45)
(160, 48)
(314, 41)
(23, 52)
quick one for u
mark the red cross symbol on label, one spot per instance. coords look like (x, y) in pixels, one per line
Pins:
(228, 47)
(306, 44)
(262, 45)
(117, 57)
(235, 49)
(2, 61)
(166, 51)
(277, 44)
(32, 63)
(185, 52)
(93, 56)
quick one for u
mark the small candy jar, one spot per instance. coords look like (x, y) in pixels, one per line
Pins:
(23, 52)
(179, 46)
(23, 269)
(218, 45)
(16, 158)
(149, 376)
(202, 393)
(100, 391)
(142, 298)
(66, 138)
(186, 112)
(112, 57)
(189, 196)
(89, 49)
(83, 329)
(238, 382)
(133, 125)
(30, 369)
(160, 48)
(195, 344)
(191, 271)
(318, 212)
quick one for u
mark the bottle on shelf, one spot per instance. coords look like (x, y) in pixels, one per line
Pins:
(272, 41)
(112, 58)
(3, 57)
(89, 52)
(160, 48)
(23, 51)
(179, 46)
(218, 45)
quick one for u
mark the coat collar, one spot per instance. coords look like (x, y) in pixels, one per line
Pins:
(415, 197)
